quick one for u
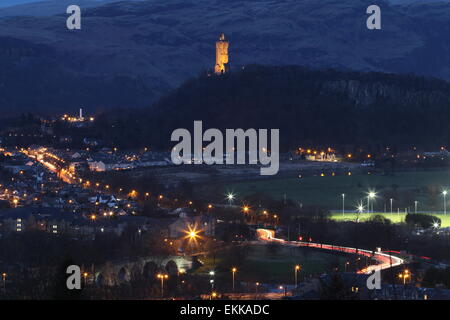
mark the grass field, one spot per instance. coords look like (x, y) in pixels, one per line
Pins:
(260, 265)
(327, 191)
(394, 217)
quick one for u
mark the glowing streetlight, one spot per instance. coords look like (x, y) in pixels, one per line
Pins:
(162, 277)
(93, 218)
(360, 208)
(4, 280)
(444, 193)
(296, 270)
(405, 275)
(230, 197)
(370, 195)
(233, 271)
(346, 265)
(192, 234)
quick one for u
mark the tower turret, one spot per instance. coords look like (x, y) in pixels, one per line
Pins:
(222, 55)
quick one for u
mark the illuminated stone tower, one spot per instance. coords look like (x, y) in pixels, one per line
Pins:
(221, 55)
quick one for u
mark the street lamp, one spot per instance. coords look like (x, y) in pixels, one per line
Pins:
(4, 280)
(93, 218)
(360, 208)
(297, 269)
(391, 200)
(212, 273)
(370, 195)
(444, 193)
(233, 270)
(343, 204)
(346, 264)
(359, 211)
(405, 275)
(230, 197)
(162, 277)
(192, 234)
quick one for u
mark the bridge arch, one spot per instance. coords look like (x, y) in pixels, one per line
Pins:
(123, 275)
(171, 267)
(100, 279)
(150, 269)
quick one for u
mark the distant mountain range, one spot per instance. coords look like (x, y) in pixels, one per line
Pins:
(10, 3)
(46, 7)
(152, 46)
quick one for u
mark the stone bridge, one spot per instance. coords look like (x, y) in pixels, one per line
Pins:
(118, 272)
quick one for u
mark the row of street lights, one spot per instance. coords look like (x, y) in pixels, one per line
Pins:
(372, 195)
(297, 269)
(164, 276)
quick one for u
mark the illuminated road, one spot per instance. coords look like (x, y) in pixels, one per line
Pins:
(41, 154)
(384, 260)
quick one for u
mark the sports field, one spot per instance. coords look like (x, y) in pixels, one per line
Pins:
(260, 265)
(394, 217)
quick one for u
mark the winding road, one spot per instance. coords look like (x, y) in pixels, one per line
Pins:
(383, 260)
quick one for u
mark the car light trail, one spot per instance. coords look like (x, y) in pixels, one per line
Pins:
(384, 260)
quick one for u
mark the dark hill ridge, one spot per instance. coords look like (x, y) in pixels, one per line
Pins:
(308, 106)
(160, 44)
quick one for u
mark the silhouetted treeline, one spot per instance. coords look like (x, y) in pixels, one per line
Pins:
(309, 107)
